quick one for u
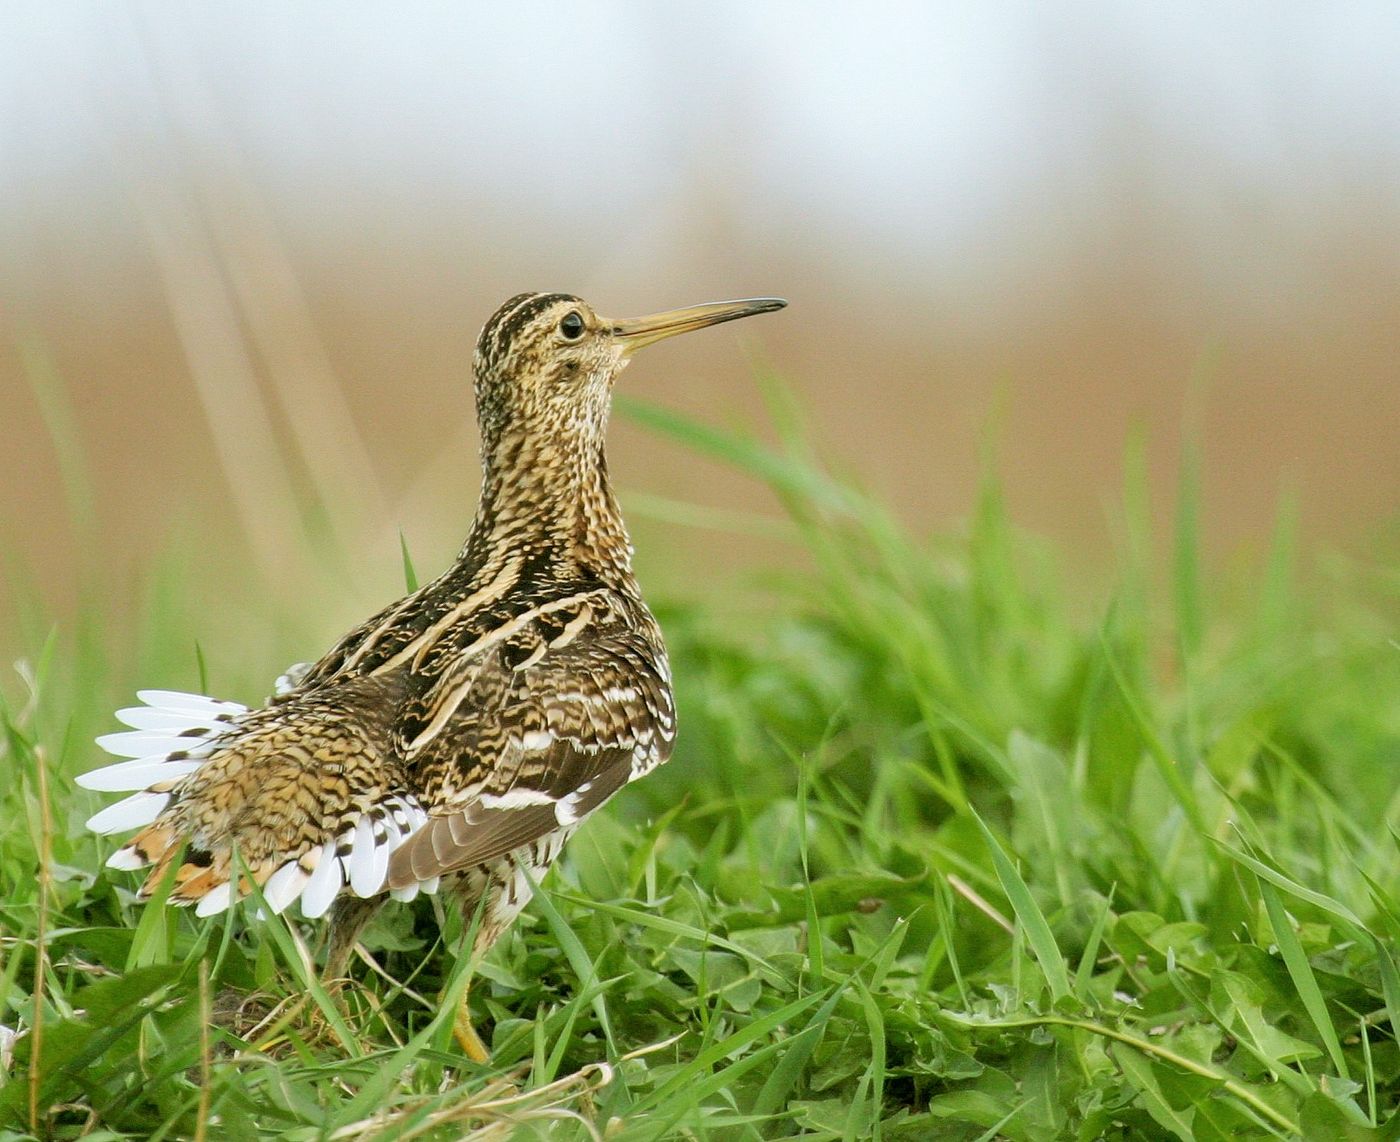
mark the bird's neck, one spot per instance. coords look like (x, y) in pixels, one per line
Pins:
(551, 500)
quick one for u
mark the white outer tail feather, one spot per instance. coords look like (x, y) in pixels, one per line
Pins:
(169, 738)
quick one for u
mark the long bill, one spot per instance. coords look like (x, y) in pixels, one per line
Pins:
(636, 332)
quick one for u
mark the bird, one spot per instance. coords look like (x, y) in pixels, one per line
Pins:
(454, 741)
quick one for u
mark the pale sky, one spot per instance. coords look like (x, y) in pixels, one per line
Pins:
(909, 125)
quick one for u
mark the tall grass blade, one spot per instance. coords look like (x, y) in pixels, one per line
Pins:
(1300, 971)
(1028, 913)
(410, 576)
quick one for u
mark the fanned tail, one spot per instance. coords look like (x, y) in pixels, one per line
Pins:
(169, 739)
(172, 737)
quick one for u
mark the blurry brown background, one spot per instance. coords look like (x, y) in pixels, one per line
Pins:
(245, 250)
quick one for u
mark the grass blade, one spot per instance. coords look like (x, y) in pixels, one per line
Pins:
(1028, 913)
(1300, 971)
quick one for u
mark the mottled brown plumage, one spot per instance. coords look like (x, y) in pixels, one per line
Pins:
(462, 734)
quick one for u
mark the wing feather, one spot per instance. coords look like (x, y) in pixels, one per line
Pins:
(478, 834)
(548, 720)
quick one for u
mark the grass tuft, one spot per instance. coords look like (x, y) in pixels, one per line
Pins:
(936, 857)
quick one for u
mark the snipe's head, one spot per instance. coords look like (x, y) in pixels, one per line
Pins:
(545, 362)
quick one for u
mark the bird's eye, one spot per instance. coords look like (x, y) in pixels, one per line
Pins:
(571, 325)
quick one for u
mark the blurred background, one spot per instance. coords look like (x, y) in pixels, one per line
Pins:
(245, 251)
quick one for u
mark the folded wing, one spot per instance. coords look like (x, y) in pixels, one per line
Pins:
(534, 733)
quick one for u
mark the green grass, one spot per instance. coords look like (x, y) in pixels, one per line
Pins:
(942, 853)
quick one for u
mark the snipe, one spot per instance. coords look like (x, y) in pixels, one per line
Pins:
(459, 737)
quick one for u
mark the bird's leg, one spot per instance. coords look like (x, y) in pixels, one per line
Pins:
(349, 917)
(464, 1031)
(480, 903)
